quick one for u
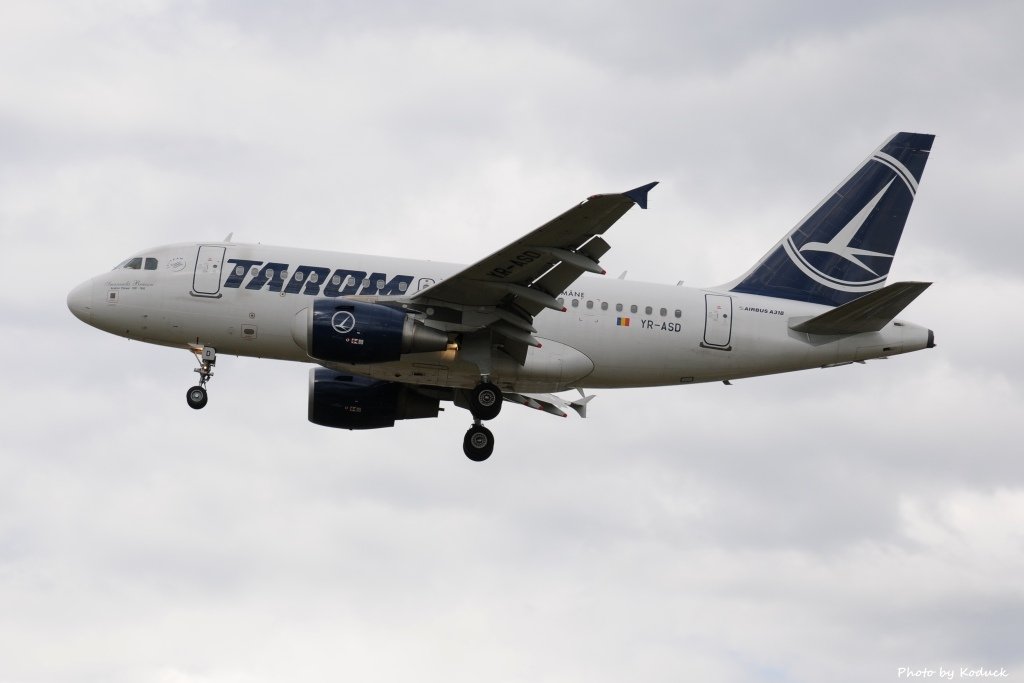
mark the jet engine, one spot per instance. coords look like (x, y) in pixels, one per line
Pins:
(352, 402)
(343, 331)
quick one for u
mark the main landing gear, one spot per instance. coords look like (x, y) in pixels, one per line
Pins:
(485, 403)
(196, 396)
(478, 443)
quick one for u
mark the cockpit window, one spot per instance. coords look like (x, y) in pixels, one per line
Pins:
(137, 263)
(131, 264)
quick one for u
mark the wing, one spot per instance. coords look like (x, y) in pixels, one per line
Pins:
(501, 293)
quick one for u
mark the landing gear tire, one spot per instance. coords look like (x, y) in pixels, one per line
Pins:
(207, 357)
(478, 443)
(196, 397)
(485, 401)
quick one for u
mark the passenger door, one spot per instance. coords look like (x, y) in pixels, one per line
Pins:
(209, 264)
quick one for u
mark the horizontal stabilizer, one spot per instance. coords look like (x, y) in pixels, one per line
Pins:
(870, 313)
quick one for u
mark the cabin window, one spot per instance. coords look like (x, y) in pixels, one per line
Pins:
(590, 304)
(284, 274)
(151, 264)
(336, 280)
(402, 286)
(663, 312)
(254, 271)
(299, 277)
(314, 278)
(575, 303)
(380, 284)
(679, 314)
(604, 305)
(618, 308)
(366, 282)
(633, 309)
(239, 271)
(648, 310)
(269, 272)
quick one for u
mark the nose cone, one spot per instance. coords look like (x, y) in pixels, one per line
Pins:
(80, 302)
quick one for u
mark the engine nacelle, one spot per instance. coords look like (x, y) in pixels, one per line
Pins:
(343, 331)
(352, 402)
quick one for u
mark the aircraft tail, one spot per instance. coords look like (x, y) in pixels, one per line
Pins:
(844, 247)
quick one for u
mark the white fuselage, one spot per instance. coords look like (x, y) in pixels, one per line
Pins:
(614, 333)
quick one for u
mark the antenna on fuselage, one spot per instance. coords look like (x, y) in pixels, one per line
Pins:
(228, 238)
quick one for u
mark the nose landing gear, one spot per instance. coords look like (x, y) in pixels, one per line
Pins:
(207, 357)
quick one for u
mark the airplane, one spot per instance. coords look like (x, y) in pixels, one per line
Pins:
(393, 338)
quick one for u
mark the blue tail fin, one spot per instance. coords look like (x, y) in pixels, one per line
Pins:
(843, 248)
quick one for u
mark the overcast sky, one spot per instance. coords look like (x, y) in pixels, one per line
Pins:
(831, 525)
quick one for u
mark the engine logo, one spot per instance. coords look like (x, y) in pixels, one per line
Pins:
(343, 322)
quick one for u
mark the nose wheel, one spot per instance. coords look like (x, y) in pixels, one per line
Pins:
(196, 396)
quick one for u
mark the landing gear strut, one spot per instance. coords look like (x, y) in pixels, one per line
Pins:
(196, 396)
(485, 403)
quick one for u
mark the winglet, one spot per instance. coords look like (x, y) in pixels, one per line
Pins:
(580, 404)
(639, 194)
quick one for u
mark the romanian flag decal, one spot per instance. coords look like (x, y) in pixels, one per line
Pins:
(622, 322)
